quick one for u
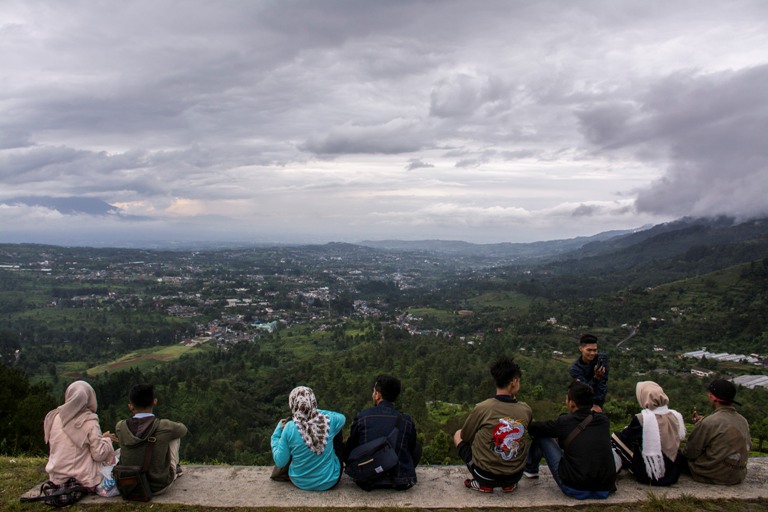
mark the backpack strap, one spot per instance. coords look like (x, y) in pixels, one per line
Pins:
(46, 494)
(392, 436)
(578, 430)
(150, 447)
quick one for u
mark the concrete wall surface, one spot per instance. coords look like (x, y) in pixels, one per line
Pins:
(438, 487)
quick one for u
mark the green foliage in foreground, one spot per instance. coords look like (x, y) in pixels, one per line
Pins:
(20, 474)
(231, 399)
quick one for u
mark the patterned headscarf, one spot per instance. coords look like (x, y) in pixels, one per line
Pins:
(79, 407)
(663, 428)
(312, 425)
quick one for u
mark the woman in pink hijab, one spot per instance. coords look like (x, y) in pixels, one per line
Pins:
(77, 446)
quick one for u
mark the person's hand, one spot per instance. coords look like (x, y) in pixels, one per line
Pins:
(597, 408)
(108, 435)
(696, 418)
(283, 422)
(599, 372)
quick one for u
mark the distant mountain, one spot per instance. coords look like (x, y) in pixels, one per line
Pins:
(509, 251)
(661, 254)
(73, 205)
(676, 238)
(68, 205)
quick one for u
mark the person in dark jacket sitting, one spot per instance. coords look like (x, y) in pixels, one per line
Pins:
(379, 421)
(649, 445)
(577, 447)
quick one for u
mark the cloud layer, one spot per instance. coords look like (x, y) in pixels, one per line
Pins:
(313, 121)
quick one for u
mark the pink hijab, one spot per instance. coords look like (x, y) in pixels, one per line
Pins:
(79, 407)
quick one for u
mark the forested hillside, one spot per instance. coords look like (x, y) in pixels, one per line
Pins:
(226, 335)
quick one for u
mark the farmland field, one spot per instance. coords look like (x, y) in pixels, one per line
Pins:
(145, 359)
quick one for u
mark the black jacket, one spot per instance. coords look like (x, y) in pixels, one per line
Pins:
(588, 463)
(632, 437)
(380, 421)
(585, 373)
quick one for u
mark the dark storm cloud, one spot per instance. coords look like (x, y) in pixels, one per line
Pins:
(398, 136)
(305, 113)
(713, 128)
(463, 95)
(415, 163)
(13, 138)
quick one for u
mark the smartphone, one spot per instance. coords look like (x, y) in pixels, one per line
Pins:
(602, 360)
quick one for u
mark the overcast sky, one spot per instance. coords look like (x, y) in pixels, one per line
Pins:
(319, 120)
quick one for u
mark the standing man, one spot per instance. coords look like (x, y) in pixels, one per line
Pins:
(577, 448)
(591, 369)
(718, 447)
(379, 421)
(493, 441)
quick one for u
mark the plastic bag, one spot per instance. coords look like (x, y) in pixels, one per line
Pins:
(108, 488)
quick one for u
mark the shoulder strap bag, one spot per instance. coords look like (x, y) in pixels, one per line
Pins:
(578, 430)
(132, 481)
(370, 460)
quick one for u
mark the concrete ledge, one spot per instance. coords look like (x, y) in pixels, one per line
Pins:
(438, 487)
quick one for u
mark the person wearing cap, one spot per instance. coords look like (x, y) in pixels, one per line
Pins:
(591, 369)
(718, 447)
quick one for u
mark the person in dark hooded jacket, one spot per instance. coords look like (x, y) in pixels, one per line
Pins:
(133, 432)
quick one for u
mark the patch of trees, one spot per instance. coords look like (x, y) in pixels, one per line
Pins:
(23, 407)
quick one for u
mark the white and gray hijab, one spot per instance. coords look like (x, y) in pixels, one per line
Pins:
(312, 425)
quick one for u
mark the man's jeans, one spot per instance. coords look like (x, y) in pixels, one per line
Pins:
(550, 449)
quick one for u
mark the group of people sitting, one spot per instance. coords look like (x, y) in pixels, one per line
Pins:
(80, 450)
(582, 454)
(300, 445)
(499, 441)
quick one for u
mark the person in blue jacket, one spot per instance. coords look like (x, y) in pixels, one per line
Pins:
(591, 369)
(305, 444)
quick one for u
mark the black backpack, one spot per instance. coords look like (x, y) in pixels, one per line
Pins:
(370, 460)
(62, 495)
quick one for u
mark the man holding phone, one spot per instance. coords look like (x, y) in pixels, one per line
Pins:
(591, 368)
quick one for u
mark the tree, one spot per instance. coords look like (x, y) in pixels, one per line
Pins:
(22, 409)
(760, 430)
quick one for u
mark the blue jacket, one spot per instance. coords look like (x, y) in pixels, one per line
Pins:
(308, 471)
(585, 373)
(379, 421)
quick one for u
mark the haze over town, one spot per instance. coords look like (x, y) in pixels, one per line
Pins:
(314, 121)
